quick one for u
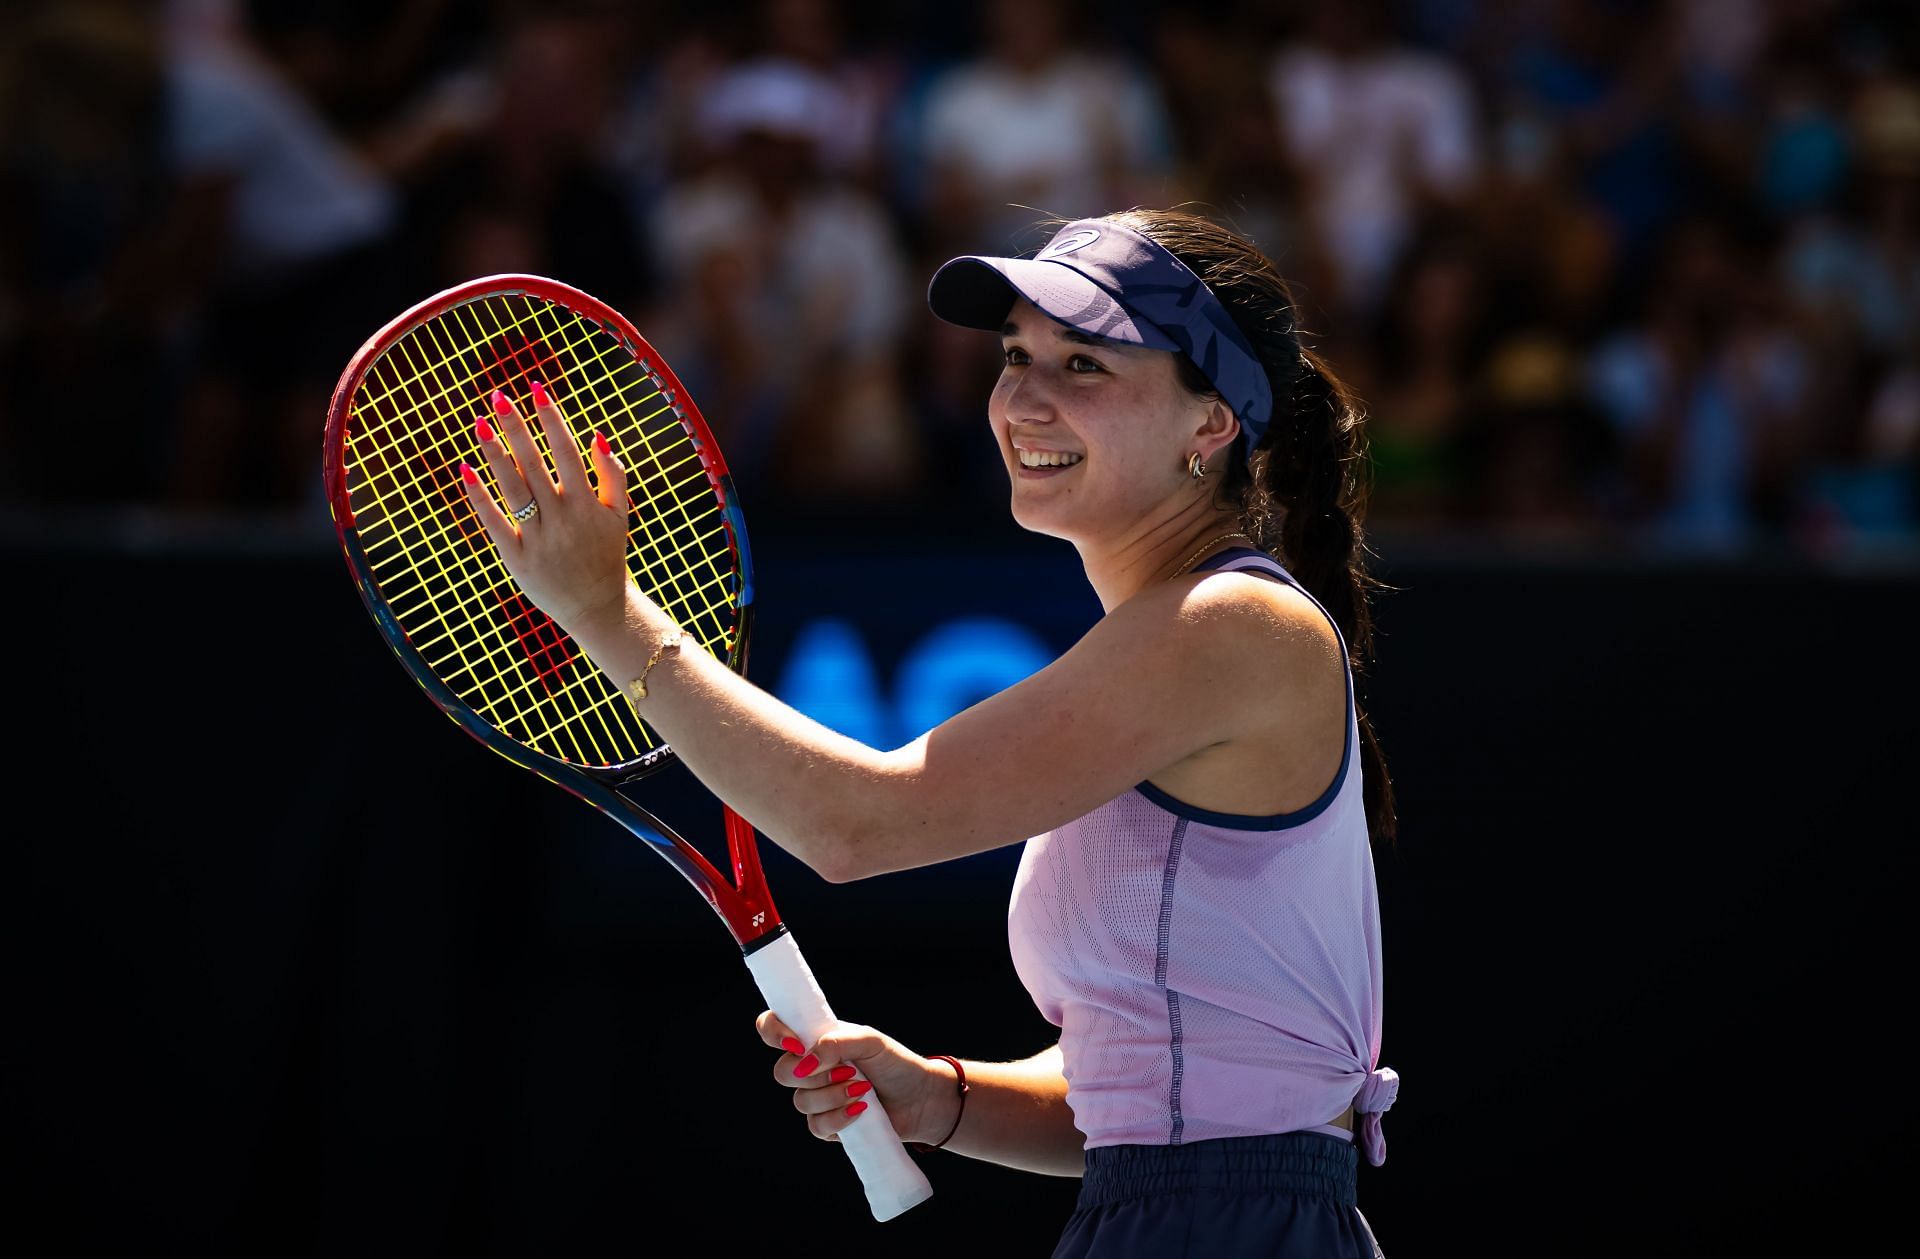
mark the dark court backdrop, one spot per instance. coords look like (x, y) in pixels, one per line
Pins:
(297, 968)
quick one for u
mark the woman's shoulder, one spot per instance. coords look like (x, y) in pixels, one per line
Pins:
(1244, 620)
(1259, 597)
(1255, 616)
(1264, 657)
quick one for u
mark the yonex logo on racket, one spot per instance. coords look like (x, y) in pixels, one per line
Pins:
(1067, 244)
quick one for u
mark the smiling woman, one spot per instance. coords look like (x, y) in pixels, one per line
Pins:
(1063, 396)
(1196, 783)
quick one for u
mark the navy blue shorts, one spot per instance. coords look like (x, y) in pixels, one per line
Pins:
(1289, 1196)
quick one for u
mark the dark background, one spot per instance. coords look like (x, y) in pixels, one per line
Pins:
(296, 968)
(301, 969)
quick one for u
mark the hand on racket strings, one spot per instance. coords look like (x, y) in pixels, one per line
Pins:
(852, 1063)
(570, 555)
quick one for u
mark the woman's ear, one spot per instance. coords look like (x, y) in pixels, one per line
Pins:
(1220, 430)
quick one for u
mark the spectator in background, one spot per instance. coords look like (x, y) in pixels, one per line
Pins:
(1378, 132)
(1037, 122)
(1803, 144)
(302, 219)
(1226, 146)
(1550, 258)
(192, 222)
(96, 250)
(812, 33)
(668, 124)
(1861, 485)
(1540, 457)
(786, 288)
(1717, 49)
(1427, 357)
(1856, 281)
(1861, 270)
(516, 176)
(297, 194)
(1605, 76)
(1708, 396)
(654, 136)
(354, 61)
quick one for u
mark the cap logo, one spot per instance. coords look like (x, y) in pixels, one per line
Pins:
(1068, 243)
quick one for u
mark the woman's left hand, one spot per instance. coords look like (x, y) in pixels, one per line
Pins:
(570, 553)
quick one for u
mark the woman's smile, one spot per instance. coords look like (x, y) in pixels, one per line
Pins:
(1037, 462)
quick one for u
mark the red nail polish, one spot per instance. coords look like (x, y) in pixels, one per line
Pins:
(468, 475)
(600, 443)
(854, 1111)
(793, 1046)
(485, 429)
(501, 404)
(807, 1066)
(860, 1088)
(539, 393)
(841, 1074)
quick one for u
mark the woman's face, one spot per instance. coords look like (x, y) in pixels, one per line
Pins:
(1095, 435)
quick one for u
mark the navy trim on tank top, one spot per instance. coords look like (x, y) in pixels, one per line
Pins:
(1275, 821)
(1176, 1042)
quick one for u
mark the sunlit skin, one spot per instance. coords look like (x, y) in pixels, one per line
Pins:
(1131, 507)
(1226, 691)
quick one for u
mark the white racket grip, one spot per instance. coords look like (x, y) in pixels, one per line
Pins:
(894, 1182)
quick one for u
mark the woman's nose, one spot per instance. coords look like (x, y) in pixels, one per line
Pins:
(1031, 398)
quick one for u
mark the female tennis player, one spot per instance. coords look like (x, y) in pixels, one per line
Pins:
(1195, 907)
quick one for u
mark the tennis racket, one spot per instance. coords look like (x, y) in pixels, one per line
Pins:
(398, 429)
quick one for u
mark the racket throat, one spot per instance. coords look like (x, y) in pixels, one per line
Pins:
(773, 936)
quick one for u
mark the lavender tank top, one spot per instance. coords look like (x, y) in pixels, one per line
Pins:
(1212, 974)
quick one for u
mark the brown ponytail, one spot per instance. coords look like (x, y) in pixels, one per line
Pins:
(1302, 493)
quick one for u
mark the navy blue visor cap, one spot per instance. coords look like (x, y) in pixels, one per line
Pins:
(1112, 283)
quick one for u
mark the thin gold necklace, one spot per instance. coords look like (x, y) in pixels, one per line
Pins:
(1208, 546)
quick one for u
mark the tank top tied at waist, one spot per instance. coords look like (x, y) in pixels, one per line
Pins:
(1212, 975)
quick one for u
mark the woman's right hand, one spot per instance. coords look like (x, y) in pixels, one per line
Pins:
(919, 1093)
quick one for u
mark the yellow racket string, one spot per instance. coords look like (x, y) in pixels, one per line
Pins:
(691, 461)
(510, 710)
(666, 597)
(410, 428)
(563, 693)
(713, 540)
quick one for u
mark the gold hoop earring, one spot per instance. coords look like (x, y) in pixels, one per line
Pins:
(1195, 468)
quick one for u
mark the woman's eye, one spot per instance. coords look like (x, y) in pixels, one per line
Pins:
(1083, 365)
(1016, 357)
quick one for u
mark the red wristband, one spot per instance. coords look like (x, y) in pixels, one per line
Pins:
(921, 1147)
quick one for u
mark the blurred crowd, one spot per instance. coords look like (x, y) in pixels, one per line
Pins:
(1641, 269)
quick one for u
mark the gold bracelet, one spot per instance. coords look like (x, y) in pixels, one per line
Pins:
(637, 689)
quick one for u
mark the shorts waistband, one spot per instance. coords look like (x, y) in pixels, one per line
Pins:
(1304, 1163)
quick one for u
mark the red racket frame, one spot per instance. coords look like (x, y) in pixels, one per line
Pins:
(743, 902)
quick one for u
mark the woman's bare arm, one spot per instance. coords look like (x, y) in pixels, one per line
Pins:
(1120, 706)
(1016, 1115)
